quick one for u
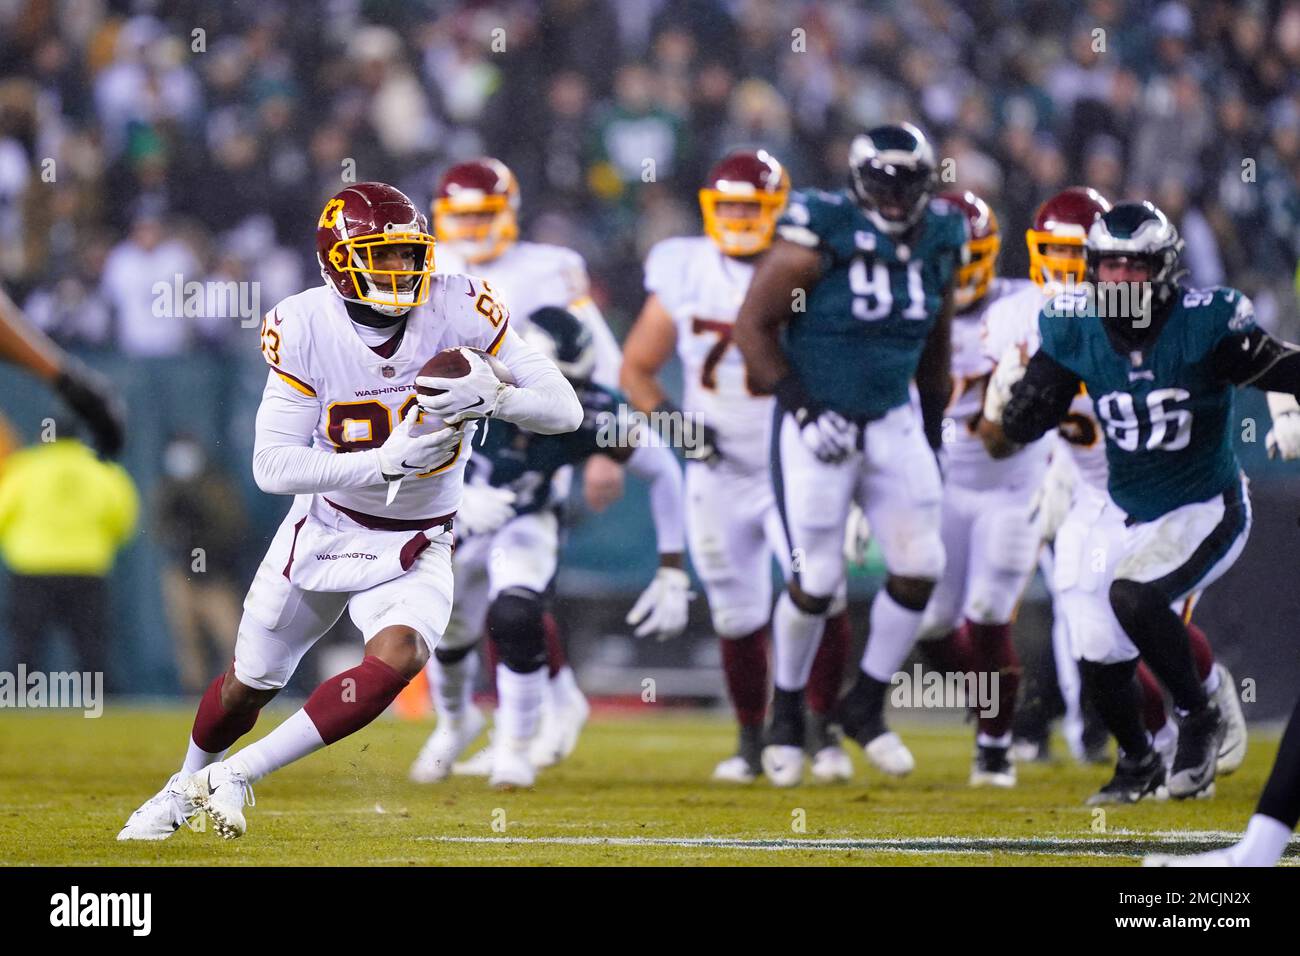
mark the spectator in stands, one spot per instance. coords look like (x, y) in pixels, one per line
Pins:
(149, 321)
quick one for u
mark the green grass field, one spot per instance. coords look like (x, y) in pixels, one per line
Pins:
(636, 792)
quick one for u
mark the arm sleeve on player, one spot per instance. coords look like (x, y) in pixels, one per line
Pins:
(1039, 400)
(1256, 358)
(656, 464)
(543, 401)
(284, 463)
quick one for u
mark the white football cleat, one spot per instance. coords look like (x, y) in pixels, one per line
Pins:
(1233, 749)
(783, 765)
(832, 765)
(511, 768)
(734, 770)
(222, 793)
(890, 755)
(162, 814)
(447, 742)
(562, 723)
(1212, 858)
(478, 764)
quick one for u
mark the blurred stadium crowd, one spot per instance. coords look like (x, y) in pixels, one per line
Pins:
(209, 153)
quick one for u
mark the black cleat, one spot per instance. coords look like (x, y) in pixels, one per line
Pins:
(993, 768)
(1134, 779)
(861, 710)
(821, 734)
(787, 727)
(1200, 735)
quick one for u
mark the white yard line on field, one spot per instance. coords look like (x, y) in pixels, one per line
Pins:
(1133, 843)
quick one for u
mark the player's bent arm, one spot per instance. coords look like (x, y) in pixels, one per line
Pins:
(284, 463)
(649, 346)
(543, 402)
(1039, 400)
(656, 464)
(934, 372)
(1256, 358)
(786, 269)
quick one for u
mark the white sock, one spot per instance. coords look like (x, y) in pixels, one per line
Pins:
(1264, 843)
(796, 635)
(565, 684)
(893, 632)
(292, 740)
(453, 685)
(987, 740)
(1211, 683)
(196, 759)
(519, 701)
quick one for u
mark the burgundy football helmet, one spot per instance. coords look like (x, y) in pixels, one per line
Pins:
(753, 184)
(374, 247)
(476, 207)
(983, 240)
(1063, 220)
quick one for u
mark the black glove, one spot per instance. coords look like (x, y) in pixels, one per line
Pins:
(705, 448)
(94, 398)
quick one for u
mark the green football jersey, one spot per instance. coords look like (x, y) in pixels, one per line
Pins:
(526, 463)
(856, 343)
(1165, 411)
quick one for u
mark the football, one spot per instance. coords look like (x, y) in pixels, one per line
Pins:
(451, 363)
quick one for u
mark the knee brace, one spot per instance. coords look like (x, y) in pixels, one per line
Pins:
(808, 603)
(910, 593)
(453, 655)
(515, 622)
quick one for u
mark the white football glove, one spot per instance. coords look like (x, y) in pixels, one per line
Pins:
(406, 454)
(1283, 439)
(484, 509)
(857, 537)
(829, 435)
(1011, 369)
(662, 607)
(474, 395)
(1051, 502)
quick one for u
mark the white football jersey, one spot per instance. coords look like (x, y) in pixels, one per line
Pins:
(969, 464)
(702, 290)
(1013, 321)
(532, 275)
(311, 345)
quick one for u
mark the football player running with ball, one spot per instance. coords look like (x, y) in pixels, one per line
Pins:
(1159, 362)
(695, 286)
(340, 421)
(852, 303)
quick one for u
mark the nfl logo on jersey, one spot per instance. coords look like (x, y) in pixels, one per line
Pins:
(388, 371)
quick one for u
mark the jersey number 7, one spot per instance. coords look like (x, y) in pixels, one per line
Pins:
(709, 373)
